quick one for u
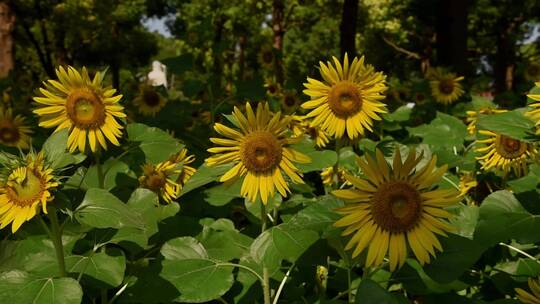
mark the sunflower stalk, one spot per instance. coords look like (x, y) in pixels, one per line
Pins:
(100, 175)
(266, 277)
(55, 233)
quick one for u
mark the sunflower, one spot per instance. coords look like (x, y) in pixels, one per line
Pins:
(394, 206)
(349, 98)
(289, 101)
(528, 298)
(505, 153)
(472, 117)
(532, 72)
(186, 172)
(259, 149)
(467, 181)
(272, 87)
(24, 189)
(445, 87)
(149, 102)
(300, 126)
(330, 176)
(535, 112)
(83, 106)
(267, 57)
(14, 131)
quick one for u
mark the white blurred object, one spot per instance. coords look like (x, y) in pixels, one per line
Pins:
(158, 75)
(410, 105)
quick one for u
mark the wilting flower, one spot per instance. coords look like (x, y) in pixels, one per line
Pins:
(83, 106)
(330, 176)
(259, 148)
(445, 87)
(505, 153)
(300, 126)
(348, 100)
(14, 131)
(395, 206)
(467, 181)
(169, 177)
(25, 188)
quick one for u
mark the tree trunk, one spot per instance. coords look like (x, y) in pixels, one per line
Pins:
(452, 35)
(7, 23)
(278, 12)
(505, 56)
(347, 28)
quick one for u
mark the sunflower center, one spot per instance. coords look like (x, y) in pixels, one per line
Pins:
(289, 101)
(151, 98)
(344, 99)
(396, 206)
(509, 147)
(9, 134)
(261, 152)
(25, 189)
(85, 109)
(446, 86)
(420, 97)
(155, 181)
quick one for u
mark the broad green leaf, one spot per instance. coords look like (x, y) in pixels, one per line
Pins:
(417, 281)
(319, 160)
(458, 255)
(318, 215)
(203, 176)
(282, 242)
(502, 217)
(101, 209)
(55, 148)
(156, 144)
(223, 194)
(197, 277)
(224, 243)
(100, 266)
(513, 124)
(444, 130)
(369, 292)
(521, 267)
(115, 172)
(402, 113)
(19, 287)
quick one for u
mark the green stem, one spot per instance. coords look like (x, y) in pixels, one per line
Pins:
(56, 237)
(349, 283)
(266, 277)
(100, 176)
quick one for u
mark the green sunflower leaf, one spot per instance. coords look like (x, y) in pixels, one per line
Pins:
(444, 131)
(197, 277)
(19, 287)
(369, 292)
(156, 144)
(55, 148)
(513, 124)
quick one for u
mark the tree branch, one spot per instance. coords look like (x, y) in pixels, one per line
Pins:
(402, 50)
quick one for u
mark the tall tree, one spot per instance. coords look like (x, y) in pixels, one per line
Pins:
(452, 35)
(7, 22)
(347, 27)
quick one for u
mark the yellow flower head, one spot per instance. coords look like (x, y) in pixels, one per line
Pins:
(395, 206)
(290, 101)
(168, 178)
(530, 298)
(14, 131)
(25, 189)
(259, 149)
(267, 57)
(445, 87)
(330, 176)
(532, 72)
(472, 118)
(535, 112)
(272, 87)
(505, 153)
(300, 125)
(348, 99)
(467, 181)
(149, 102)
(83, 106)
